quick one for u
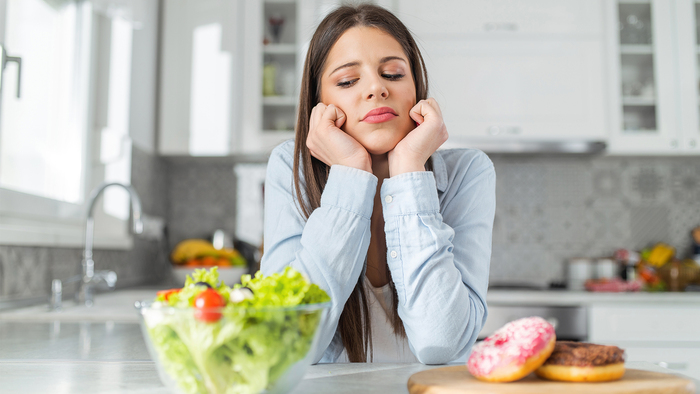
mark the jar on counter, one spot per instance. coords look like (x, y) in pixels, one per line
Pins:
(579, 270)
(606, 268)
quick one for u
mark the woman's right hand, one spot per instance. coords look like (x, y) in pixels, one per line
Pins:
(328, 143)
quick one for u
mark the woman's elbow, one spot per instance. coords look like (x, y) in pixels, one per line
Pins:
(450, 347)
(435, 355)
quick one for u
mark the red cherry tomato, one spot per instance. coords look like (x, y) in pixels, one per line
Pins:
(206, 304)
(167, 293)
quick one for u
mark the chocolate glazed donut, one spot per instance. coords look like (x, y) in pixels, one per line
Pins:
(583, 362)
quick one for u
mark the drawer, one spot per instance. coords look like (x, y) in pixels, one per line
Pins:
(615, 323)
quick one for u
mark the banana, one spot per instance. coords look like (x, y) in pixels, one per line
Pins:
(191, 248)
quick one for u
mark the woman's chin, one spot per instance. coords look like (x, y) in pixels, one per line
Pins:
(380, 149)
(380, 145)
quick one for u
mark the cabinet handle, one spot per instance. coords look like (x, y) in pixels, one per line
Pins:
(692, 143)
(496, 130)
(4, 59)
(674, 143)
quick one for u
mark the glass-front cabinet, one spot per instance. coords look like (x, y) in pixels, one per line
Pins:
(654, 76)
(275, 41)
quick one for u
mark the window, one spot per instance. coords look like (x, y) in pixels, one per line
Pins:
(74, 100)
(42, 133)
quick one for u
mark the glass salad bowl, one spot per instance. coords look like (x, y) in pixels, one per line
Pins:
(247, 345)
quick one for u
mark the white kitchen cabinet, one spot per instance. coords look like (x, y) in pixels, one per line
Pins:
(514, 70)
(200, 77)
(663, 334)
(653, 73)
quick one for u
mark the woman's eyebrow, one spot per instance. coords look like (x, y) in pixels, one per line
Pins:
(357, 63)
(346, 65)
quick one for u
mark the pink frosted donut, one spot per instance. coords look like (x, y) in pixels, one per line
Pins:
(513, 351)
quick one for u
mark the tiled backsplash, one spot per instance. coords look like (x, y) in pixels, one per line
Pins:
(552, 208)
(28, 271)
(549, 209)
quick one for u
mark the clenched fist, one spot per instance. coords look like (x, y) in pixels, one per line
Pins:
(413, 151)
(328, 143)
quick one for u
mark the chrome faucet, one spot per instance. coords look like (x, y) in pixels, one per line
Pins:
(91, 278)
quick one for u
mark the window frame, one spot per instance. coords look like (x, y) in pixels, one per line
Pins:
(32, 220)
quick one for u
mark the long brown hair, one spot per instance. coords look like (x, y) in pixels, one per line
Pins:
(354, 323)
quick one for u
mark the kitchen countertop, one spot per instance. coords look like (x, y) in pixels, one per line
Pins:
(77, 377)
(585, 298)
(118, 306)
(90, 357)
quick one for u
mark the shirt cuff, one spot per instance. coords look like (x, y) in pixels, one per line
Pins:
(410, 193)
(350, 189)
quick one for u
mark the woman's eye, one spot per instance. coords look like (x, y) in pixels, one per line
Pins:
(346, 84)
(393, 77)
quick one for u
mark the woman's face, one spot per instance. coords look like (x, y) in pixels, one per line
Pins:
(368, 76)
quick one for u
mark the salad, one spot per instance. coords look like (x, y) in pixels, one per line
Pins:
(209, 337)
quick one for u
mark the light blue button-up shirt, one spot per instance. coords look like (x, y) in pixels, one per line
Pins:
(438, 229)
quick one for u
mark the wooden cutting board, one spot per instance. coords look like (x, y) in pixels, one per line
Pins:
(457, 380)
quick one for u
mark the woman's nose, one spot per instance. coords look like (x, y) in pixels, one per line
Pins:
(377, 89)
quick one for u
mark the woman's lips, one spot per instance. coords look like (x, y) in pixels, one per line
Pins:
(379, 115)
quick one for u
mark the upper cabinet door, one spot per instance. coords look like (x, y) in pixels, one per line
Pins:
(454, 18)
(644, 84)
(199, 77)
(514, 70)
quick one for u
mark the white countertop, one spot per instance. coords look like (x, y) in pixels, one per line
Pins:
(78, 377)
(585, 298)
(90, 357)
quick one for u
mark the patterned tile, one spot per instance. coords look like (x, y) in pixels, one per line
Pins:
(606, 180)
(649, 224)
(568, 224)
(519, 181)
(523, 224)
(685, 182)
(647, 182)
(568, 183)
(609, 225)
(202, 197)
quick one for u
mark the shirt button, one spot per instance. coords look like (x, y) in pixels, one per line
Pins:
(388, 199)
(394, 254)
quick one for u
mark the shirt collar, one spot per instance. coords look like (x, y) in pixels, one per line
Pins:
(439, 171)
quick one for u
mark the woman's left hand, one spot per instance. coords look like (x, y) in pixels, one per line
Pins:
(413, 151)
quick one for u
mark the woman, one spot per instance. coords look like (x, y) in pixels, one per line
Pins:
(399, 235)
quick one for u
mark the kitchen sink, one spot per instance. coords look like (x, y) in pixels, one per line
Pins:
(117, 306)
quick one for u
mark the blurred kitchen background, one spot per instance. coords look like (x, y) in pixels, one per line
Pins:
(589, 110)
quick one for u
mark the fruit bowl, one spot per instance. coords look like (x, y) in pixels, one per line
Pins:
(230, 275)
(247, 350)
